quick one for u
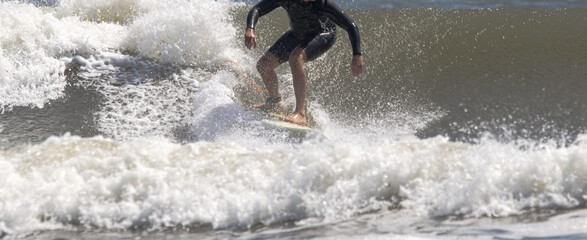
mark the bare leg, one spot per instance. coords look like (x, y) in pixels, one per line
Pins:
(296, 60)
(266, 67)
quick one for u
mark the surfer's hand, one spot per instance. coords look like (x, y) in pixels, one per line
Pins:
(357, 65)
(250, 39)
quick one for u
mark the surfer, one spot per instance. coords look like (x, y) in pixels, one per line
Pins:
(312, 32)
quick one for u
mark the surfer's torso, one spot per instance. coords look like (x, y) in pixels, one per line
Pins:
(307, 19)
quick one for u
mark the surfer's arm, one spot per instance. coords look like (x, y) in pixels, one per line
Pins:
(341, 19)
(335, 14)
(262, 8)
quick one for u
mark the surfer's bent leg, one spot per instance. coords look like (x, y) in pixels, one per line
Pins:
(266, 67)
(277, 54)
(296, 60)
(307, 51)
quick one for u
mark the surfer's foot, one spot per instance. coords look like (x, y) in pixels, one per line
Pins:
(295, 118)
(271, 104)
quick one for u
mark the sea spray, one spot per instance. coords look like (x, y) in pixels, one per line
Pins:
(154, 183)
(463, 123)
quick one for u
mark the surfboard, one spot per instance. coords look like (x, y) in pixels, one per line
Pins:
(273, 120)
(283, 125)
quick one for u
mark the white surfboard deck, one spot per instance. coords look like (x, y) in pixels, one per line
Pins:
(286, 126)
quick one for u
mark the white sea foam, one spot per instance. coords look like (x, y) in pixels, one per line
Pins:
(37, 43)
(32, 41)
(238, 174)
(185, 33)
(154, 183)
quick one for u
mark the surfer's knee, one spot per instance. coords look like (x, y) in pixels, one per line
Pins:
(297, 56)
(261, 67)
(266, 63)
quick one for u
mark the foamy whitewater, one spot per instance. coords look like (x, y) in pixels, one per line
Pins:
(127, 119)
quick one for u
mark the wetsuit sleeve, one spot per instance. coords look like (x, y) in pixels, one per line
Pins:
(262, 8)
(344, 21)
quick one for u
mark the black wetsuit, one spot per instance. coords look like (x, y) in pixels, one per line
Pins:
(312, 27)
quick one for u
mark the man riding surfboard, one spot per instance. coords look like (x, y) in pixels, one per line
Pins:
(312, 32)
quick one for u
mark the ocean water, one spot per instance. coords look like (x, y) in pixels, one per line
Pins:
(127, 119)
